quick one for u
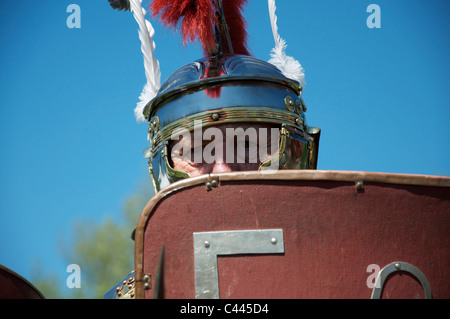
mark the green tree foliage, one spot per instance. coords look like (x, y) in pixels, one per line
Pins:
(104, 251)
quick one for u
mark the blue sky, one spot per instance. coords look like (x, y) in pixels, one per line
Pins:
(70, 148)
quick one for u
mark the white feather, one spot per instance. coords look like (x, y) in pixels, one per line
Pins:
(151, 64)
(290, 67)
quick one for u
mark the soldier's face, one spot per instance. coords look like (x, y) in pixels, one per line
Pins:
(223, 148)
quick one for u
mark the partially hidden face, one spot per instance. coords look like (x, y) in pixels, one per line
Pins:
(223, 148)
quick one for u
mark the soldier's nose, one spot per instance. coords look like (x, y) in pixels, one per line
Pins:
(221, 168)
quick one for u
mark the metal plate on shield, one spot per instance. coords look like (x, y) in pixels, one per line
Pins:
(209, 245)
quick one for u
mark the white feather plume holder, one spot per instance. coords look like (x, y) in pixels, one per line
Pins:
(151, 64)
(289, 66)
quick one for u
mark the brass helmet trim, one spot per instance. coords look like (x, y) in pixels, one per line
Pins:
(229, 115)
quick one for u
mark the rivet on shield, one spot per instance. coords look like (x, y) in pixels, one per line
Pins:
(359, 185)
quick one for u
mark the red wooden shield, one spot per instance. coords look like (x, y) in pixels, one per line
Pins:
(14, 286)
(296, 234)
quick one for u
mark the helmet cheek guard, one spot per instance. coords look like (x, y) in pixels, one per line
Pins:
(228, 90)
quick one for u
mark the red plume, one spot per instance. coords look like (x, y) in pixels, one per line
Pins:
(196, 19)
(233, 10)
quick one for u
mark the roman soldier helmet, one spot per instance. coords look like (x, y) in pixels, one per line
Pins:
(228, 85)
